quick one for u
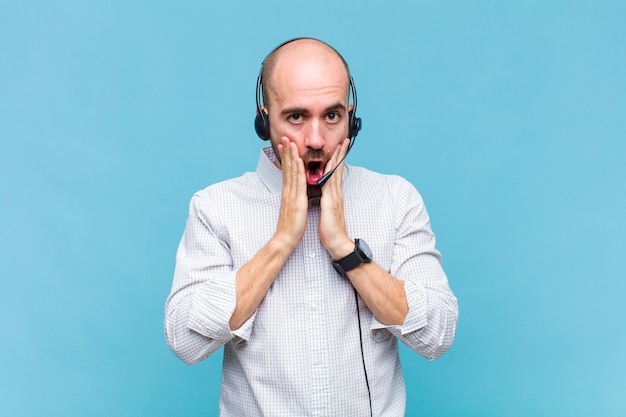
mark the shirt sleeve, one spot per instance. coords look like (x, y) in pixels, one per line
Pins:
(203, 295)
(431, 322)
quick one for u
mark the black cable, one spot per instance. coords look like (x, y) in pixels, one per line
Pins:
(367, 382)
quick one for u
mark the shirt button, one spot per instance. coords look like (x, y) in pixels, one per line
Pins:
(311, 254)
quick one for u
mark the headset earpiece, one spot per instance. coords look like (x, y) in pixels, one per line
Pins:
(355, 124)
(262, 125)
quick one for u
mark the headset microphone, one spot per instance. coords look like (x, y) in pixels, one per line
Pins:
(327, 176)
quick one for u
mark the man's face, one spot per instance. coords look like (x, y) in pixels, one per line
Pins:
(309, 105)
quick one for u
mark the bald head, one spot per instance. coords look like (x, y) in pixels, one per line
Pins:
(303, 54)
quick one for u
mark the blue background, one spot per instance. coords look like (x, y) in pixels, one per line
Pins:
(509, 117)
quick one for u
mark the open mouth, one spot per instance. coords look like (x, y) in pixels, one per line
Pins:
(314, 171)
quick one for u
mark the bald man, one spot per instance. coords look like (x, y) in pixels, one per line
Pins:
(309, 287)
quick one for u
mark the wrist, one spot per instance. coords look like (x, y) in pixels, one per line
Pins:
(360, 254)
(283, 243)
(341, 249)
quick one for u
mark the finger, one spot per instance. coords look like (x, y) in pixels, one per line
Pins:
(286, 156)
(286, 163)
(343, 151)
(294, 177)
(292, 158)
(281, 153)
(301, 174)
(338, 154)
(298, 171)
(337, 162)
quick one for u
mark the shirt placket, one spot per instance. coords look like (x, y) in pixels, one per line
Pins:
(314, 256)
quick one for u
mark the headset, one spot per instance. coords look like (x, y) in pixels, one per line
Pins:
(262, 122)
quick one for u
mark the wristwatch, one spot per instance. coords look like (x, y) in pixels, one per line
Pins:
(362, 254)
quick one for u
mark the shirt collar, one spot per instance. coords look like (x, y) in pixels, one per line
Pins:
(269, 173)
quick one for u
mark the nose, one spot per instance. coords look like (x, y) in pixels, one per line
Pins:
(314, 135)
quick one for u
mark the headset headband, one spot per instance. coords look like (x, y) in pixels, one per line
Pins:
(261, 122)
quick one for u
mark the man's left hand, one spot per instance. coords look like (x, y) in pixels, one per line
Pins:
(332, 225)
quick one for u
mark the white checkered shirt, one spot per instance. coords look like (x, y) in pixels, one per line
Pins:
(299, 354)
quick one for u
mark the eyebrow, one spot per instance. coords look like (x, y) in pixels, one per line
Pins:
(298, 110)
(335, 107)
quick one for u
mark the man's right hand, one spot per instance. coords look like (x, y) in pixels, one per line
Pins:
(255, 276)
(294, 203)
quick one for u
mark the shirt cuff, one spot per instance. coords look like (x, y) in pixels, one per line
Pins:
(242, 334)
(212, 307)
(417, 316)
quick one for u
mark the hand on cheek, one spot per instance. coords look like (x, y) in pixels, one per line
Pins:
(294, 204)
(332, 227)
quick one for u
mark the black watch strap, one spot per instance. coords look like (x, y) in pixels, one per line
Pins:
(361, 254)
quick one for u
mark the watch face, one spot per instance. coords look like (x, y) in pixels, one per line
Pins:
(365, 249)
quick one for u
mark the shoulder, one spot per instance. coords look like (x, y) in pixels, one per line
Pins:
(227, 194)
(230, 187)
(366, 180)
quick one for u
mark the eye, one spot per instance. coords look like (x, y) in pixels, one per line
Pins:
(332, 117)
(295, 118)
